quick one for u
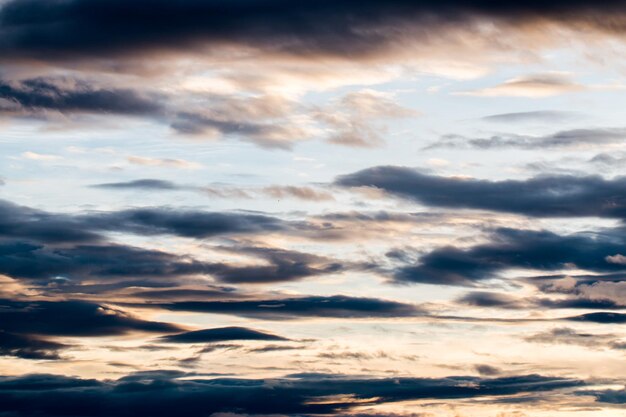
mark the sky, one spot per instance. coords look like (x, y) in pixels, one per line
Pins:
(266, 208)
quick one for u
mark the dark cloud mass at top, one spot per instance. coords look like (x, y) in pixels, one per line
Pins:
(542, 196)
(92, 28)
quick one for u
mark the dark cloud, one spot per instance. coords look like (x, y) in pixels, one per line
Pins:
(511, 248)
(29, 347)
(34, 96)
(81, 28)
(487, 370)
(66, 250)
(214, 292)
(601, 317)
(188, 223)
(546, 116)
(19, 222)
(64, 266)
(563, 139)
(609, 396)
(166, 393)
(489, 299)
(542, 196)
(62, 269)
(221, 334)
(72, 318)
(290, 308)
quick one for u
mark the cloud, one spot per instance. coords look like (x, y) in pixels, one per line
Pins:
(509, 249)
(143, 184)
(489, 300)
(70, 318)
(601, 317)
(487, 370)
(538, 85)
(38, 156)
(163, 162)
(221, 334)
(24, 223)
(301, 193)
(29, 347)
(547, 116)
(282, 265)
(40, 95)
(335, 28)
(356, 119)
(337, 306)
(577, 138)
(188, 223)
(163, 393)
(542, 196)
(569, 336)
(31, 248)
(616, 259)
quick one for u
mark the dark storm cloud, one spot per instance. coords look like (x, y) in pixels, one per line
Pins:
(221, 334)
(511, 248)
(72, 318)
(338, 306)
(29, 347)
(546, 116)
(165, 394)
(36, 95)
(56, 29)
(542, 196)
(563, 139)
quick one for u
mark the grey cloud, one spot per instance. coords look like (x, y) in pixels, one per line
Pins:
(338, 306)
(221, 334)
(42, 94)
(546, 116)
(511, 248)
(542, 196)
(563, 139)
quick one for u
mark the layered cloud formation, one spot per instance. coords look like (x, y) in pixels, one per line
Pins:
(333, 208)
